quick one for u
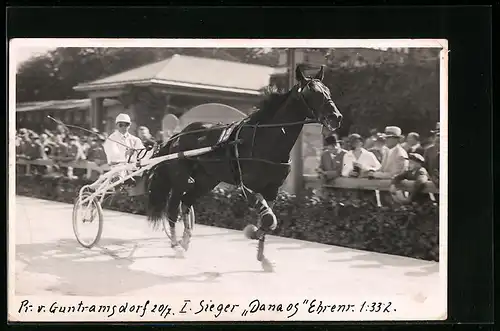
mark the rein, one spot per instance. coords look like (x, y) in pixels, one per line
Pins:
(258, 125)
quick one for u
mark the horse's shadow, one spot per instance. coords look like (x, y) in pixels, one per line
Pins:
(104, 270)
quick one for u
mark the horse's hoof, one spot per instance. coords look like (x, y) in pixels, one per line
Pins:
(267, 266)
(185, 245)
(179, 251)
(250, 232)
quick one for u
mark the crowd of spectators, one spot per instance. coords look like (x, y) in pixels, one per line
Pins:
(388, 155)
(63, 147)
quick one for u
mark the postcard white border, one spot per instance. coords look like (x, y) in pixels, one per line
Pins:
(231, 43)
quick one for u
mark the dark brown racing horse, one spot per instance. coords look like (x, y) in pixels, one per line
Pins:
(255, 157)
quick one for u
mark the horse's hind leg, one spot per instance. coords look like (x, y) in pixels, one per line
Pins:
(201, 186)
(173, 213)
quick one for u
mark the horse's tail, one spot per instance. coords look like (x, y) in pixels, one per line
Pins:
(160, 186)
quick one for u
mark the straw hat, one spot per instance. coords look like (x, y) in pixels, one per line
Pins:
(392, 132)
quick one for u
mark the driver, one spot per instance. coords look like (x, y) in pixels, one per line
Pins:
(120, 145)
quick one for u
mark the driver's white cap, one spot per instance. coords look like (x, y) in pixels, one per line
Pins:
(123, 118)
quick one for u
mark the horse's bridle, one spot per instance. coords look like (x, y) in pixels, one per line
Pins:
(320, 117)
(309, 119)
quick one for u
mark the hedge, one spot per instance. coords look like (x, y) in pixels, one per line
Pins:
(348, 218)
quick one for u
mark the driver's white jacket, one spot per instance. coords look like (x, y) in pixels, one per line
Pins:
(116, 152)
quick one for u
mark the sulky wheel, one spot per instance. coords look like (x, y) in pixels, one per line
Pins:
(190, 218)
(87, 221)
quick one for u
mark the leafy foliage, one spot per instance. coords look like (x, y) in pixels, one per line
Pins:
(375, 96)
(52, 76)
(390, 89)
(348, 218)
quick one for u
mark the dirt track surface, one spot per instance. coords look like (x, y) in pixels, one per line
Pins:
(134, 260)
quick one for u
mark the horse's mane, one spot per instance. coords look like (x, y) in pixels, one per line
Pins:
(268, 107)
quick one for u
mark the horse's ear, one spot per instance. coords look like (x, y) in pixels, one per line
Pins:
(299, 75)
(321, 74)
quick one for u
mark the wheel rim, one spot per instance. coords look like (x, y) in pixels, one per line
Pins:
(85, 217)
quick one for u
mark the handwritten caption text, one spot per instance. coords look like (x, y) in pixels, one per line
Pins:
(187, 307)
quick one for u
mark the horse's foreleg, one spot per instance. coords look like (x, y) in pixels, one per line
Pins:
(267, 219)
(267, 222)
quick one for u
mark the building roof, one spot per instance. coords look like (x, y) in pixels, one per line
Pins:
(191, 72)
(60, 104)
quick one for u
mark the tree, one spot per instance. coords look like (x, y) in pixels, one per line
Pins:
(53, 75)
(377, 95)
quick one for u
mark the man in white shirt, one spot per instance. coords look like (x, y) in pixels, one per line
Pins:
(395, 161)
(120, 145)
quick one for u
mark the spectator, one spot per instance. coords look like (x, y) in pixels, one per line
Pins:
(61, 148)
(146, 137)
(25, 145)
(18, 145)
(358, 162)
(332, 160)
(61, 130)
(370, 141)
(143, 133)
(85, 142)
(49, 144)
(325, 132)
(37, 150)
(344, 144)
(431, 156)
(413, 144)
(96, 152)
(75, 150)
(159, 137)
(417, 173)
(75, 154)
(380, 150)
(396, 160)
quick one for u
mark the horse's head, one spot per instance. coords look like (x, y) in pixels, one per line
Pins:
(317, 99)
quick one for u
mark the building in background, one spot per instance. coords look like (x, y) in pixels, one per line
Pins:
(175, 85)
(34, 115)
